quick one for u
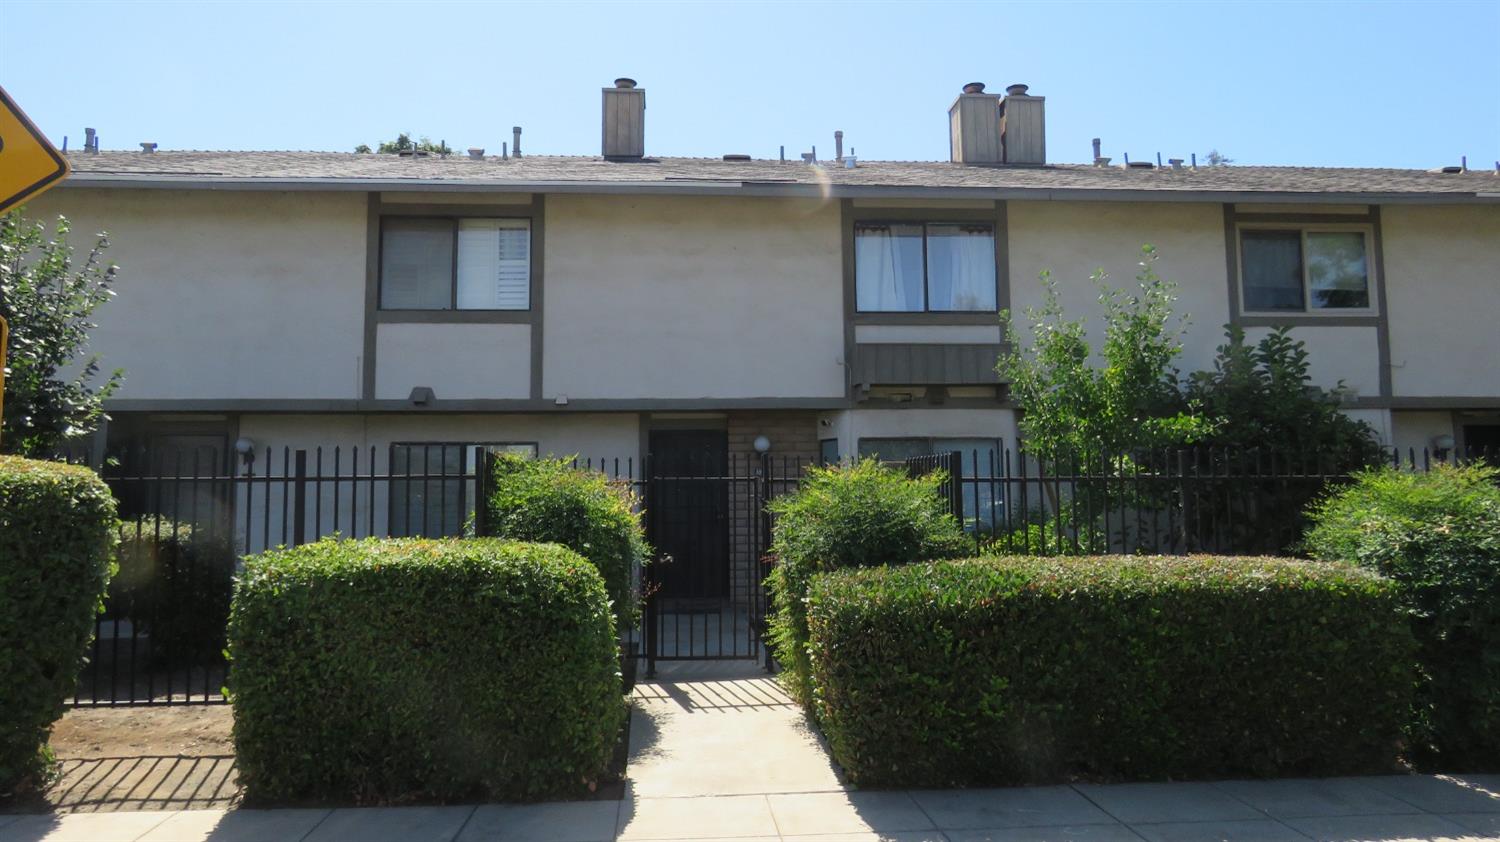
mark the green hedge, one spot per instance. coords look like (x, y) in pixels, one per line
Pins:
(1026, 670)
(552, 500)
(56, 543)
(851, 515)
(386, 671)
(1438, 535)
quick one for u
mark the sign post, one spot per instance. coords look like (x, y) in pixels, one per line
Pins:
(29, 165)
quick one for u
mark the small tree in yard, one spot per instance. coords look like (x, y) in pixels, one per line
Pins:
(51, 392)
(1079, 405)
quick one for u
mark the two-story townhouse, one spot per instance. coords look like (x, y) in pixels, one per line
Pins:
(624, 304)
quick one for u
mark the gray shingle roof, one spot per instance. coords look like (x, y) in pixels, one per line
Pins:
(347, 170)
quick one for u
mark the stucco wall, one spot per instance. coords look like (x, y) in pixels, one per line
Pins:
(227, 295)
(849, 426)
(1413, 432)
(692, 298)
(1443, 289)
(1073, 239)
(455, 360)
(1350, 354)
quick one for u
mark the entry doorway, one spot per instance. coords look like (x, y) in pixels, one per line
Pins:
(688, 515)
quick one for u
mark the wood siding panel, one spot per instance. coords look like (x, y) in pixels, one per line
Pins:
(902, 364)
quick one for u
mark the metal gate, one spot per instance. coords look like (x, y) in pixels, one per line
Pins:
(706, 518)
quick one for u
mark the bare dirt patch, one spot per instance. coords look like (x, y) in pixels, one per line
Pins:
(159, 758)
(113, 732)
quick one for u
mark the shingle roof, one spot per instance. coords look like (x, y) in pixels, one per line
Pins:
(346, 170)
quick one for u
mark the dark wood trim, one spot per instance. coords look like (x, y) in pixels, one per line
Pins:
(434, 317)
(372, 295)
(1383, 317)
(538, 292)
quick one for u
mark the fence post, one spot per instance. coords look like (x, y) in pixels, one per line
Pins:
(650, 572)
(299, 500)
(484, 473)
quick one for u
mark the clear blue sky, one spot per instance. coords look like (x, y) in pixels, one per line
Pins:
(1413, 84)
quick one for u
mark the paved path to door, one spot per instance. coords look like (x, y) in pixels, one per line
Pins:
(725, 755)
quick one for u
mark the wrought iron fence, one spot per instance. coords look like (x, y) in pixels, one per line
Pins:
(190, 517)
(1192, 500)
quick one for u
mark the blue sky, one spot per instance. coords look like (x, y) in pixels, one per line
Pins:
(1328, 84)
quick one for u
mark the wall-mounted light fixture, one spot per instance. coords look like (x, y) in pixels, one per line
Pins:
(762, 444)
(245, 447)
(1442, 445)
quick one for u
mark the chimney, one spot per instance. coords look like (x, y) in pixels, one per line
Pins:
(1023, 126)
(974, 127)
(515, 148)
(90, 141)
(838, 146)
(624, 127)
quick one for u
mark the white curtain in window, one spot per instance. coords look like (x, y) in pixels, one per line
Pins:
(885, 280)
(494, 264)
(961, 267)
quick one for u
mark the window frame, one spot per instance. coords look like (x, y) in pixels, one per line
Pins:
(996, 231)
(1372, 282)
(464, 449)
(453, 312)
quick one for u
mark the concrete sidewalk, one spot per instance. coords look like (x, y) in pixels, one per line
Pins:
(718, 755)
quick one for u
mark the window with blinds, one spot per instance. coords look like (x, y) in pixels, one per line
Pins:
(455, 264)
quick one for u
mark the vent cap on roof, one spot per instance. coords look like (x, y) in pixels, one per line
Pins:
(736, 157)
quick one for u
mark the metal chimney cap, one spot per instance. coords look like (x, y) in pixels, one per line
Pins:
(625, 83)
(974, 88)
(1017, 90)
(476, 152)
(736, 157)
(148, 147)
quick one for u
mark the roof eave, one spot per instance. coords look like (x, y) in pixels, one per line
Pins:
(762, 189)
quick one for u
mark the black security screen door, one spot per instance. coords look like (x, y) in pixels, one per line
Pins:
(689, 514)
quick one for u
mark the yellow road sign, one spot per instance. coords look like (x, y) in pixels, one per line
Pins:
(28, 163)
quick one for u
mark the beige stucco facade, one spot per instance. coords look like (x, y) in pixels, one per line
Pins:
(226, 295)
(692, 298)
(259, 300)
(1443, 288)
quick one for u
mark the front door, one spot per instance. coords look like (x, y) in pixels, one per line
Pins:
(688, 515)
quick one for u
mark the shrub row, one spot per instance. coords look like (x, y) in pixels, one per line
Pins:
(56, 543)
(379, 671)
(855, 515)
(1022, 670)
(1437, 535)
(175, 583)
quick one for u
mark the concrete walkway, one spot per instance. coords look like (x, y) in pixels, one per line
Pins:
(725, 755)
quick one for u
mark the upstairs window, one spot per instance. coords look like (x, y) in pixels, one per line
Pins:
(455, 264)
(1304, 270)
(907, 267)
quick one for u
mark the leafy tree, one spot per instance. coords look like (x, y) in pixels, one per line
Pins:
(1216, 159)
(1262, 396)
(1077, 406)
(51, 393)
(404, 143)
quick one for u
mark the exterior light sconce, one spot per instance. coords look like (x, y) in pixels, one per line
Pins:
(245, 447)
(762, 444)
(1442, 446)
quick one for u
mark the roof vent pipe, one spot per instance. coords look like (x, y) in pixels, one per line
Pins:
(90, 141)
(623, 128)
(838, 146)
(148, 147)
(1097, 148)
(515, 148)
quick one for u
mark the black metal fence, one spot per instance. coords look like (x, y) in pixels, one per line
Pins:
(1209, 500)
(190, 517)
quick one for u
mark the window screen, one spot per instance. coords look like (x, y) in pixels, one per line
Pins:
(447, 264)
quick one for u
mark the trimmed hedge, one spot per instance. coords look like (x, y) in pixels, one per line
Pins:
(551, 500)
(1438, 536)
(851, 515)
(1026, 670)
(383, 671)
(56, 546)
